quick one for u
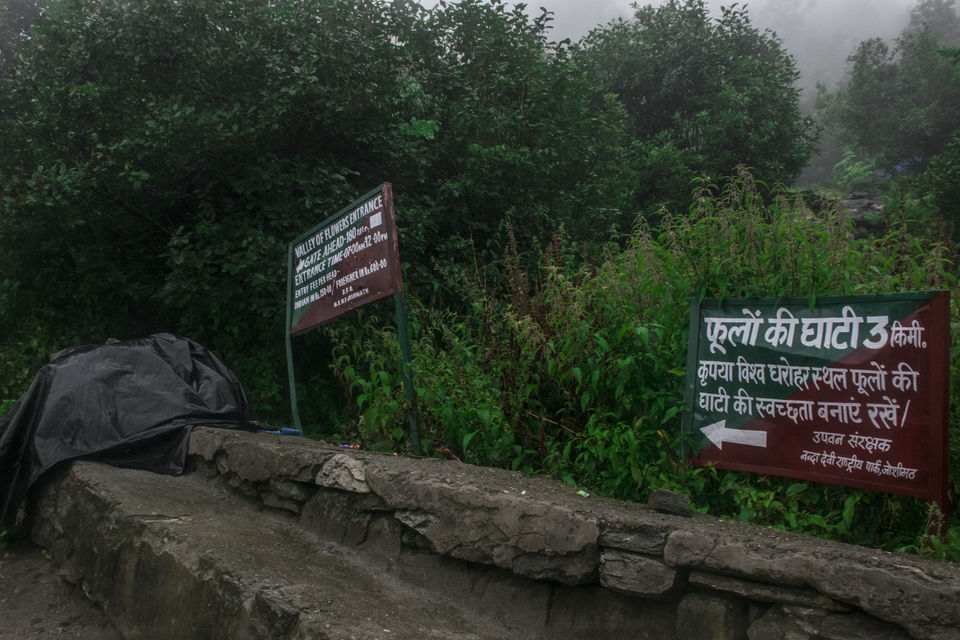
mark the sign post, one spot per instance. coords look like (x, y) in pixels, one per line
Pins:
(852, 390)
(347, 261)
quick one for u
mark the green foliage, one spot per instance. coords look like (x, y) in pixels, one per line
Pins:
(898, 104)
(517, 133)
(937, 18)
(712, 93)
(366, 361)
(158, 156)
(578, 371)
(19, 363)
(16, 17)
(943, 178)
(162, 197)
(852, 174)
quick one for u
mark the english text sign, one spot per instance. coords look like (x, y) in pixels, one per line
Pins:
(850, 391)
(345, 262)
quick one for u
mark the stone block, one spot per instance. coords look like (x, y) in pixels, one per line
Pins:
(776, 625)
(573, 568)
(526, 530)
(272, 500)
(290, 490)
(670, 502)
(649, 541)
(871, 580)
(343, 472)
(589, 612)
(826, 625)
(258, 457)
(763, 592)
(703, 616)
(339, 516)
(637, 574)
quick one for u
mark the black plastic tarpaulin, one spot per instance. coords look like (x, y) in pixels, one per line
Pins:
(130, 404)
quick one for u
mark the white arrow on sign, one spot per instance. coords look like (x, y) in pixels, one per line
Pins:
(718, 433)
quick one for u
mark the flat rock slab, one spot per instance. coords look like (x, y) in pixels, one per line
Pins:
(537, 529)
(289, 538)
(179, 557)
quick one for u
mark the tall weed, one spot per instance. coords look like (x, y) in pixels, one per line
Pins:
(575, 367)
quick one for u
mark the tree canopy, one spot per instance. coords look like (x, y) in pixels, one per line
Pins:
(719, 91)
(158, 156)
(900, 104)
(16, 18)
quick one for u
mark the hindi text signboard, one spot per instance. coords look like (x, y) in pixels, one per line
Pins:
(850, 391)
(343, 263)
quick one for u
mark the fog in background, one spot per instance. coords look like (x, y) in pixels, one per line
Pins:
(821, 34)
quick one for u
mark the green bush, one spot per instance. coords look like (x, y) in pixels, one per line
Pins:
(577, 369)
(852, 174)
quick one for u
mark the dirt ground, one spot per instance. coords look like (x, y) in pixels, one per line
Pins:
(37, 604)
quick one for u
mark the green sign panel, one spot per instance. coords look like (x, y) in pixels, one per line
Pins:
(851, 391)
(345, 262)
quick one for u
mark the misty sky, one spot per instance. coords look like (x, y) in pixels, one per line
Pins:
(819, 33)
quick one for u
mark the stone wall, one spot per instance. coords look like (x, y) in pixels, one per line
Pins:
(532, 552)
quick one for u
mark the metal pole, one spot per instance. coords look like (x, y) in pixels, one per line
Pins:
(290, 377)
(406, 365)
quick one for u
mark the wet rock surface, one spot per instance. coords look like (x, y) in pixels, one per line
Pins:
(37, 603)
(180, 557)
(282, 537)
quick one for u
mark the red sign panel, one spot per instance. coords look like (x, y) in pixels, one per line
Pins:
(343, 263)
(850, 391)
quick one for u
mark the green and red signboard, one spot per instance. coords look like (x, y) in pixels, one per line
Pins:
(345, 262)
(850, 390)
(348, 260)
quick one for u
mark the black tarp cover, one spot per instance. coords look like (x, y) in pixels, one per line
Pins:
(130, 404)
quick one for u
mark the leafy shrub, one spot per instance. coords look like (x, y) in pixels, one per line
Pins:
(853, 174)
(943, 176)
(578, 370)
